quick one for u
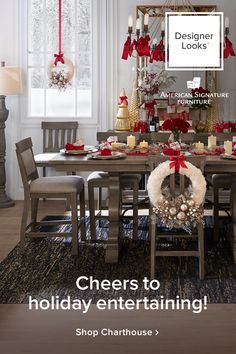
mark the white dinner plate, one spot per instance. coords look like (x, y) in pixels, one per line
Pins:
(114, 156)
(228, 157)
(87, 150)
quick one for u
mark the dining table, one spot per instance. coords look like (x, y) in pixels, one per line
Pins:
(132, 164)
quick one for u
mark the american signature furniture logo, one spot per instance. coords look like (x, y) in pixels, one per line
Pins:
(194, 41)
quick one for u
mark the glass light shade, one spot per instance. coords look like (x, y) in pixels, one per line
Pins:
(10, 80)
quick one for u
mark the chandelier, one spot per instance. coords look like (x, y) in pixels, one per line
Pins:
(148, 38)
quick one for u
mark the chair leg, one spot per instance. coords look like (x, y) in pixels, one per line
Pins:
(216, 213)
(100, 205)
(201, 251)
(92, 211)
(135, 212)
(24, 221)
(34, 212)
(153, 244)
(82, 215)
(44, 175)
(74, 224)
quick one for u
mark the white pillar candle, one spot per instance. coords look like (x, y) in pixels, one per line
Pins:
(211, 141)
(162, 25)
(130, 21)
(228, 146)
(146, 19)
(226, 22)
(199, 146)
(143, 144)
(138, 24)
(131, 141)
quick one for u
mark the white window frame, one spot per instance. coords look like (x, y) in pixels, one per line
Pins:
(99, 66)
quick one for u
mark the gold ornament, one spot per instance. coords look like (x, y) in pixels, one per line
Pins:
(191, 203)
(181, 216)
(184, 207)
(173, 211)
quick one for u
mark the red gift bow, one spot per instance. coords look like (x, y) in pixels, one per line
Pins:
(127, 49)
(177, 162)
(69, 147)
(58, 57)
(228, 48)
(123, 99)
(105, 152)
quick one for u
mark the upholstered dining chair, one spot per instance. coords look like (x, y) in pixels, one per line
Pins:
(198, 233)
(35, 187)
(100, 180)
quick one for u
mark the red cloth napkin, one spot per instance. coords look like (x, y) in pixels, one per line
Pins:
(105, 152)
(70, 147)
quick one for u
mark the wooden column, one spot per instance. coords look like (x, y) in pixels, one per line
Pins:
(5, 201)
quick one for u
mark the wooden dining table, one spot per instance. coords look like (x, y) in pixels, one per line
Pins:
(133, 164)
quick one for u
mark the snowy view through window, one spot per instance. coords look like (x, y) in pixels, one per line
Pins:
(75, 101)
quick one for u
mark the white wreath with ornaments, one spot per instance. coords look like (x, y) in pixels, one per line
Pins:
(184, 211)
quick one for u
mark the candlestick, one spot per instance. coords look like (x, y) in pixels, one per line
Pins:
(211, 141)
(131, 141)
(228, 146)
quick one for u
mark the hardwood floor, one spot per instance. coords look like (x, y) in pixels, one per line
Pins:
(10, 219)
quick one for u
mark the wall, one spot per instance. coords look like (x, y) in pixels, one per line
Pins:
(114, 74)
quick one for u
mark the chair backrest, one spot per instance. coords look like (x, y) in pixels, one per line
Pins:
(178, 183)
(162, 137)
(57, 134)
(26, 161)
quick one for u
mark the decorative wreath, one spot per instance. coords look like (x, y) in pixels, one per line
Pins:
(184, 211)
(60, 76)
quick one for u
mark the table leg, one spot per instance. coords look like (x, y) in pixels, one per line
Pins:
(112, 251)
(233, 196)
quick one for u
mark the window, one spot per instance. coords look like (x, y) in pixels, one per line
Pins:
(75, 101)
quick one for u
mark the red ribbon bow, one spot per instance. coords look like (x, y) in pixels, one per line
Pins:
(158, 53)
(127, 49)
(123, 99)
(177, 162)
(142, 46)
(58, 57)
(228, 48)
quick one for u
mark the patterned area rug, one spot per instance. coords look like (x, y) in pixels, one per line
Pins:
(47, 269)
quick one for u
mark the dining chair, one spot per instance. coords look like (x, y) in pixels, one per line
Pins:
(35, 187)
(100, 180)
(55, 136)
(158, 234)
(219, 182)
